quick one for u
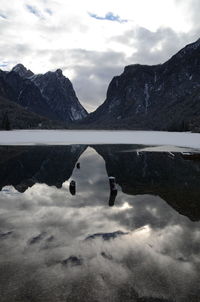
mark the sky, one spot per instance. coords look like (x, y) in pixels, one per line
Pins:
(92, 41)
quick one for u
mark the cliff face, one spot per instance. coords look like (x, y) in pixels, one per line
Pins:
(60, 95)
(50, 95)
(160, 97)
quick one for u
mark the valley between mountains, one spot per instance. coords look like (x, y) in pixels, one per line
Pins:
(160, 97)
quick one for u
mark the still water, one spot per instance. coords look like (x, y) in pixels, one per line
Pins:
(139, 242)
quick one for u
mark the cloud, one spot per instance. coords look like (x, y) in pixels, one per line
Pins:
(90, 69)
(4, 64)
(49, 11)
(3, 16)
(20, 51)
(109, 16)
(154, 47)
(50, 31)
(33, 10)
(190, 10)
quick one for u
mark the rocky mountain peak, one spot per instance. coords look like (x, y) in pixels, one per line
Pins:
(60, 95)
(59, 72)
(50, 94)
(132, 68)
(188, 50)
(194, 45)
(22, 71)
(158, 97)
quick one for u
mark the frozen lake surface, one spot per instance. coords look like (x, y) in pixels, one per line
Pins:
(68, 137)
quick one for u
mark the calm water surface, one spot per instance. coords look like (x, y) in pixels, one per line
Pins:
(140, 242)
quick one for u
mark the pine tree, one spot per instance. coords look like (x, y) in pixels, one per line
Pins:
(6, 122)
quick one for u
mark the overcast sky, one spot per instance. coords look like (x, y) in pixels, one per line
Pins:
(92, 41)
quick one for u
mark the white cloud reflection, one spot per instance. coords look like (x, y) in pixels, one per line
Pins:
(158, 257)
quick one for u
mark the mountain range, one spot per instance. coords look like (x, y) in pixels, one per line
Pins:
(50, 97)
(158, 97)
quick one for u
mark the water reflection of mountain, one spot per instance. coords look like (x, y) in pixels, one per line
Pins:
(170, 176)
(22, 167)
(173, 178)
(141, 250)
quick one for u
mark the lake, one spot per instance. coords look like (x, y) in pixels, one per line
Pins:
(99, 222)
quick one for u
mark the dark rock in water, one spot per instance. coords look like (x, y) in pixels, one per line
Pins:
(112, 183)
(160, 97)
(72, 187)
(78, 165)
(113, 195)
(113, 191)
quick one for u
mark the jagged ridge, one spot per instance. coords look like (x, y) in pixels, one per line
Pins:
(159, 97)
(50, 95)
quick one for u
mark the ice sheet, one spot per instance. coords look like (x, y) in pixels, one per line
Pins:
(67, 137)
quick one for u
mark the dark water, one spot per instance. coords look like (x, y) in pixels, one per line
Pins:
(139, 243)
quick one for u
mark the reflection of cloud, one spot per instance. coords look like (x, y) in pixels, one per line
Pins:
(160, 259)
(107, 266)
(106, 236)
